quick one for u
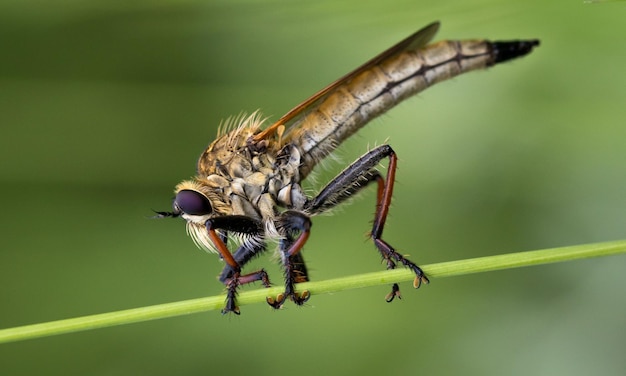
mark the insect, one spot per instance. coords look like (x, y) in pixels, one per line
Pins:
(247, 189)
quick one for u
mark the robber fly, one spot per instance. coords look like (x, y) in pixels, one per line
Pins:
(247, 189)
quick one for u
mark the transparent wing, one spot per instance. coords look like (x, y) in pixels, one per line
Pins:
(414, 41)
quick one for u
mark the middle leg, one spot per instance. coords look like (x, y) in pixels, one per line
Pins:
(295, 228)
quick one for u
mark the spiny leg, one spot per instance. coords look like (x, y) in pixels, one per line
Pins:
(354, 178)
(232, 279)
(290, 224)
(385, 192)
(231, 274)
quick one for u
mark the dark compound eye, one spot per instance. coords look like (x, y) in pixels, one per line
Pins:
(192, 202)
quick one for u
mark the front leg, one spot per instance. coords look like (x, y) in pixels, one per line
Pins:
(231, 275)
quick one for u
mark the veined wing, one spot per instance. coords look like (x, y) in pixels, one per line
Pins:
(413, 42)
(322, 122)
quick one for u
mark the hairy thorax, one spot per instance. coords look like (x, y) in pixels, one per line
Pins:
(241, 176)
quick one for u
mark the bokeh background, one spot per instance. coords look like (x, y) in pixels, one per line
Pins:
(106, 105)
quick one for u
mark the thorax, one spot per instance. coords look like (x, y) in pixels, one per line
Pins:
(256, 180)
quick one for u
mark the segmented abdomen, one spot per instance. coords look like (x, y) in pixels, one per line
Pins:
(376, 90)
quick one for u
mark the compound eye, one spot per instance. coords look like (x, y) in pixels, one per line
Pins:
(192, 202)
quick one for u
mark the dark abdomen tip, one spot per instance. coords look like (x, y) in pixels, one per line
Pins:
(503, 51)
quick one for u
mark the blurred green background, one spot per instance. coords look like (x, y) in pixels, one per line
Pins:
(106, 105)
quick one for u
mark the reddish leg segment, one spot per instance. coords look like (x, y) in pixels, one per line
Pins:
(354, 178)
(390, 255)
(231, 275)
(292, 224)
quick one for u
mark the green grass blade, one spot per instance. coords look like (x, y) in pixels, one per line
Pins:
(444, 269)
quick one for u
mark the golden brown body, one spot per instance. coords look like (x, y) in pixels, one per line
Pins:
(248, 179)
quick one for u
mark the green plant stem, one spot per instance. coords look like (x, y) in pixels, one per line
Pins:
(444, 269)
